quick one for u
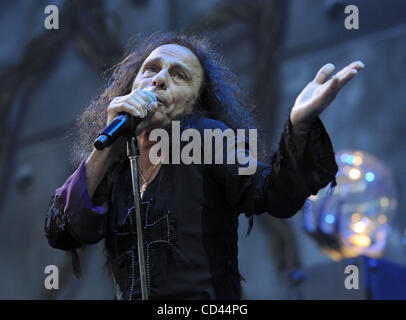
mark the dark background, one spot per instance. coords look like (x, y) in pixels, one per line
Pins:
(47, 77)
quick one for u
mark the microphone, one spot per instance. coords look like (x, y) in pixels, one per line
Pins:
(119, 126)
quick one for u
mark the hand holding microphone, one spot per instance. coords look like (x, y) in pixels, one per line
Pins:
(137, 104)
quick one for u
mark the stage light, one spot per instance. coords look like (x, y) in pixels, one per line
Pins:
(359, 227)
(353, 219)
(357, 159)
(360, 240)
(354, 174)
(329, 218)
(384, 201)
(369, 176)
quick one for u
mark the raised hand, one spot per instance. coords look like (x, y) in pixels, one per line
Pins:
(318, 94)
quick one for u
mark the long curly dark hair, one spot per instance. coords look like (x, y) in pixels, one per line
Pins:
(220, 98)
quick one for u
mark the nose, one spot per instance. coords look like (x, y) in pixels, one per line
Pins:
(159, 81)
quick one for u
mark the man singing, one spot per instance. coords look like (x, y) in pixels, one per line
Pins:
(189, 211)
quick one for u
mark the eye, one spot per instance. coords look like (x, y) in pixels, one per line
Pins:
(151, 68)
(180, 76)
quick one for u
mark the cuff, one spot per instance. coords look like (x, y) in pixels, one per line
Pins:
(300, 175)
(85, 217)
(316, 165)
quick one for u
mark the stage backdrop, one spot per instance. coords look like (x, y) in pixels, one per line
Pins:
(47, 77)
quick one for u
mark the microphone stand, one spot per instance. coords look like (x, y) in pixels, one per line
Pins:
(104, 140)
(133, 153)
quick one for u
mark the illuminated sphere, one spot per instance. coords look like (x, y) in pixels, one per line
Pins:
(353, 218)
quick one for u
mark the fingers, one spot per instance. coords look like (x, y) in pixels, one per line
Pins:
(138, 104)
(129, 105)
(144, 99)
(357, 65)
(324, 73)
(346, 77)
(326, 93)
(330, 89)
(347, 73)
(332, 86)
(125, 107)
(134, 104)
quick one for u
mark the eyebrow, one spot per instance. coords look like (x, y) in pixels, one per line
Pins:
(175, 64)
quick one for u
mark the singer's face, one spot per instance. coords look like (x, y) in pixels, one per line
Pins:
(175, 75)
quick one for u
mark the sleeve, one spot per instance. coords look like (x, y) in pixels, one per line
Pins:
(282, 187)
(73, 219)
(294, 177)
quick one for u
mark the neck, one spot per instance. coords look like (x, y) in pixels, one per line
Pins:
(145, 146)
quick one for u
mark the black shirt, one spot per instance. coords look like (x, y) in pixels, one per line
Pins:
(190, 215)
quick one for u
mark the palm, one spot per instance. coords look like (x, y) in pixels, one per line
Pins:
(319, 93)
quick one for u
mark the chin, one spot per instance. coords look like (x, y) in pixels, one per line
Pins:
(158, 120)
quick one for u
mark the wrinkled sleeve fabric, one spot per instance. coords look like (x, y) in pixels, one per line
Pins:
(294, 177)
(281, 187)
(73, 219)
